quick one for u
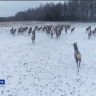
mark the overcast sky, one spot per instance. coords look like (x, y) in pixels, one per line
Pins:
(10, 8)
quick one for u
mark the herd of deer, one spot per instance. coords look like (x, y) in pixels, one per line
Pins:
(49, 29)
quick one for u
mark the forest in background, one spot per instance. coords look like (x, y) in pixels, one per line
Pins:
(73, 10)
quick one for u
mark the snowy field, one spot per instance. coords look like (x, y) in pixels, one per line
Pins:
(48, 67)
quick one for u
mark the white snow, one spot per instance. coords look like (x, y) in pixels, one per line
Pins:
(48, 67)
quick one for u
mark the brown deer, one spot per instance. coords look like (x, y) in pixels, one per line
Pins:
(33, 39)
(29, 31)
(89, 34)
(87, 29)
(77, 55)
(33, 32)
(13, 32)
(51, 33)
(72, 29)
(20, 30)
(66, 30)
(94, 31)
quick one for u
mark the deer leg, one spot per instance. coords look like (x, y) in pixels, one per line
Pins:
(78, 69)
(77, 62)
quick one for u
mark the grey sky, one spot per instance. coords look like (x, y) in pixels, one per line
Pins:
(10, 8)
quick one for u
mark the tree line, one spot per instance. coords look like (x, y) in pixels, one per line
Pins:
(73, 10)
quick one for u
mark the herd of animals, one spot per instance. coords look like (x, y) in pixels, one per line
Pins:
(57, 30)
(49, 29)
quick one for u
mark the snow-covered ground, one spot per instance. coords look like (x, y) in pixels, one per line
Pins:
(48, 67)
